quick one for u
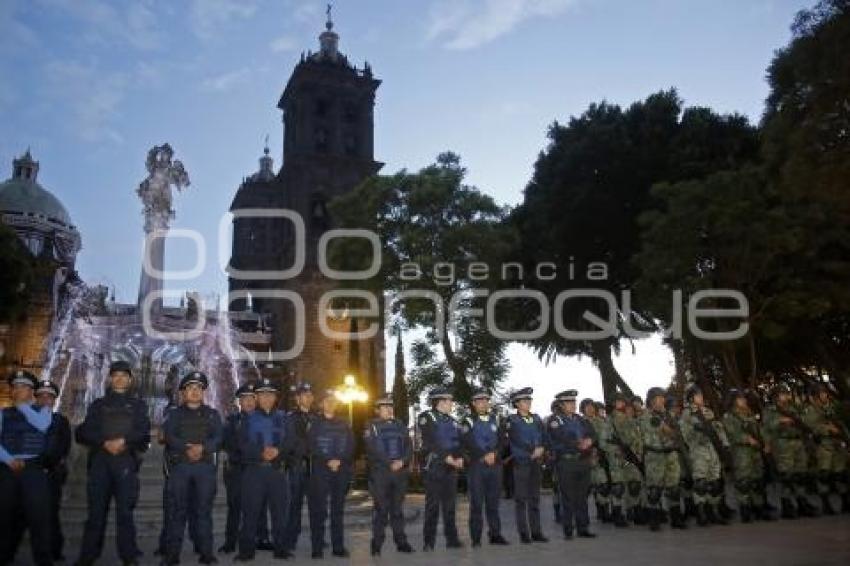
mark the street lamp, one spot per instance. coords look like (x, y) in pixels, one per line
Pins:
(351, 393)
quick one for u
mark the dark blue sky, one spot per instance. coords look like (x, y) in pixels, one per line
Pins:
(91, 85)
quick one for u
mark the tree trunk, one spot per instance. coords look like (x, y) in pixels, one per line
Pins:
(460, 386)
(611, 378)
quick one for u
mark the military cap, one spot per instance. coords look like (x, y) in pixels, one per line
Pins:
(266, 385)
(386, 399)
(520, 394)
(302, 387)
(636, 399)
(653, 392)
(196, 377)
(120, 365)
(568, 395)
(47, 386)
(582, 407)
(22, 377)
(245, 389)
(440, 393)
(692, 391)
(480, 393)
(779, 389)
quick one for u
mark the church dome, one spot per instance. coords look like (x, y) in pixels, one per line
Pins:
(36, 215)
(23, 195)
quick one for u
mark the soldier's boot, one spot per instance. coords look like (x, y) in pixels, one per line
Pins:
(826, 504)
(702, 515)
(746, 512)
(806, 508)
(789, 511)
(653, 516)
(557, 507)
(617, 517)
(375, 548)
(715, 515)
(677, 518)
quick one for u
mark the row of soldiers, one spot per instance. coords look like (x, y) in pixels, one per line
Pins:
(633, 461)
(685, 456)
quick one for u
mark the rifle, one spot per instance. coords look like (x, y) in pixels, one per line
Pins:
(767, 459)
(707, 428)
(681, 446)
(627, 451)
(809, 435)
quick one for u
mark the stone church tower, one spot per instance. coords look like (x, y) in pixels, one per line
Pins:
(328, 149)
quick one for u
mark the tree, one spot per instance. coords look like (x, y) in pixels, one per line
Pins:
(437, 235)
(582, 205)
(401, 408)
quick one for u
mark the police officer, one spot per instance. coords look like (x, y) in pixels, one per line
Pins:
(331, 449)
(299, 466)
(116, 431)
(442, 457)
(571, 440)
(483, 445)
(389, 450)
(25, 493)
(58, 447)
(193, 434)
(526, 435)
(266, 440)
(247, 400)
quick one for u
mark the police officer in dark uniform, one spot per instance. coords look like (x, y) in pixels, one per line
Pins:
(571, 439)
(483, 445)
(266, 440)
(331, 448)
(193, 434)
(442, 459)
(117, 431)
(389, 451)
(299, 466)
(525, 433)
(58, 447)
(25, 493)
(247, 400)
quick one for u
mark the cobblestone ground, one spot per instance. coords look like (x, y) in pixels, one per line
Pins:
(822, 541)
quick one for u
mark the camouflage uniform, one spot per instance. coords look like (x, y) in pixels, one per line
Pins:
(792, 460)
(831, 453)
(661, 464)
(626, 478)
(705, 461)
(748, 466)
(598, 476)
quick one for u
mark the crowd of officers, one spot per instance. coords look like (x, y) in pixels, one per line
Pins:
(663, 463)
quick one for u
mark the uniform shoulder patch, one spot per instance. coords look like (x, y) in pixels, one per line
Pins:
(423, 420)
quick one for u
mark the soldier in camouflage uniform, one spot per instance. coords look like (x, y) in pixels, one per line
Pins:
(661, 462)
(786, 440)
(701, 430)
(600, 485)
(831, 453)
(622, 435)
(742, 431)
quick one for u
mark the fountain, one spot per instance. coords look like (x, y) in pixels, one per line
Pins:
(88, 332)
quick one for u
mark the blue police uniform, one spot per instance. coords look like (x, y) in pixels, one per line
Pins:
(191, 480)
(388, 441)
(24, 436)
(573, 467)
(264, 483)
(524, 435)
(233, 485)
(481, 437)
(440, 438)
(115, 415)
(299, 475)
(328, 439)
